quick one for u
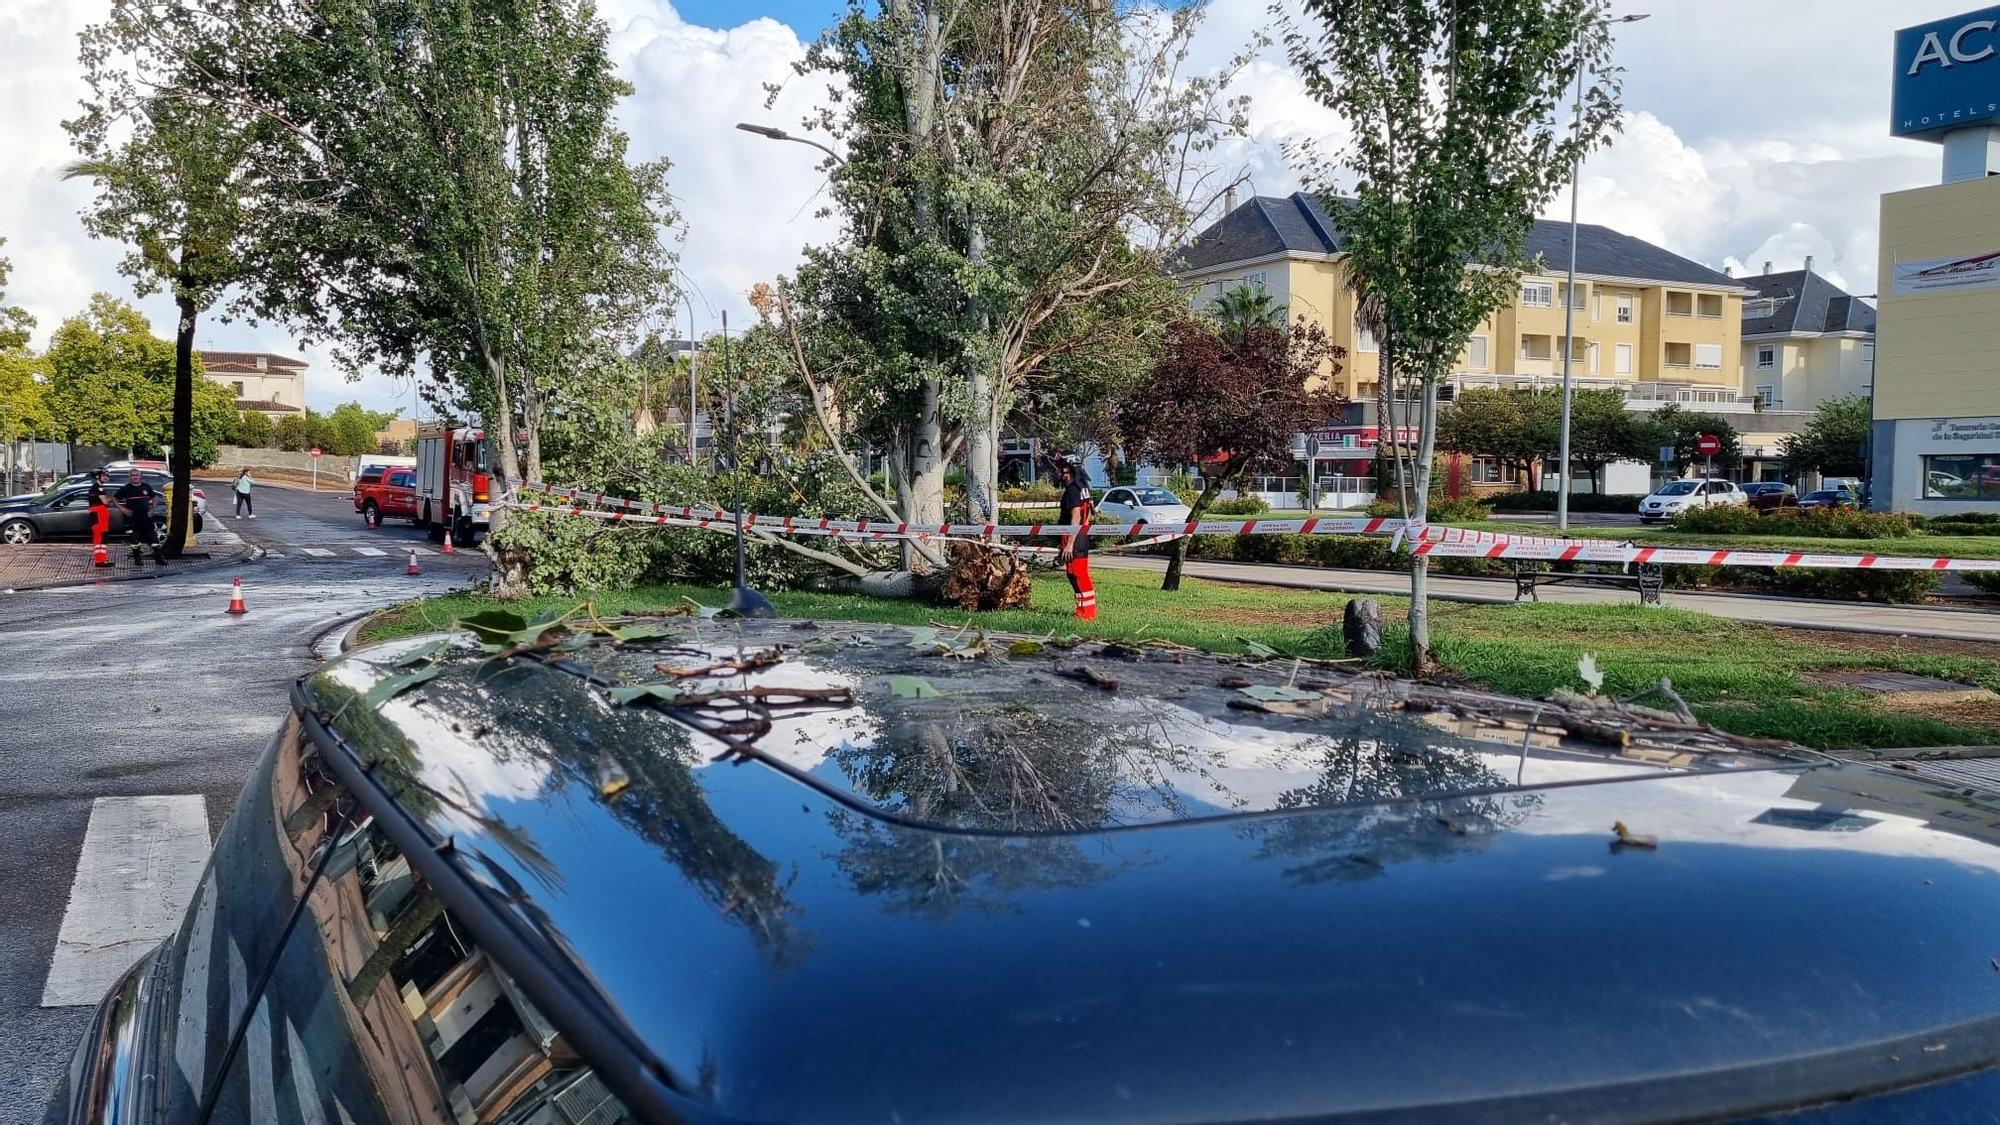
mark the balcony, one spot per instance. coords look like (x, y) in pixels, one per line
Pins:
(1708, 306)
(1679, 355)
(1680, 304)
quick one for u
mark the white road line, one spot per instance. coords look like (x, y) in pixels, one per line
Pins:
(274, 554)
(317, 552)
(374, 552)
(141, 862)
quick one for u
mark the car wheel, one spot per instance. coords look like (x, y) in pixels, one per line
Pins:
(198, 521)
(370, 514)
(17, 533)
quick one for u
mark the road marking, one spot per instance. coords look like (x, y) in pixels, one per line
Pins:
(141, 862)
(317, 552)
(375, 552)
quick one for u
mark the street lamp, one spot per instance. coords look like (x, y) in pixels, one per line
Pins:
(777, 134)
(1569, 294)
(745, 601)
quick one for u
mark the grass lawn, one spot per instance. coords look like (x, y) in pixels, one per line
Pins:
(1743, 677)
(1952, 546)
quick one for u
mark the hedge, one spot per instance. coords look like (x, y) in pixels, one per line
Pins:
(1578, 502)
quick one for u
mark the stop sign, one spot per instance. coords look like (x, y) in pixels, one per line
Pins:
(1708, 445)
(314, 451)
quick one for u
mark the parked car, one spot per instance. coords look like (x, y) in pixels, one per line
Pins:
(1827, 498)
(159, 479)
(62, 513)
(1678, 496)
(918, 889)
(1154, 505)
(387, 492)
(1766, 495)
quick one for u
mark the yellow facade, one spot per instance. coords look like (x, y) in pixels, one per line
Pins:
(1938, 353)
(1669, 333)
(1800, 373)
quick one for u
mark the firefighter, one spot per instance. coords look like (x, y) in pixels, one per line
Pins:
(1076, 509)
(100, 510)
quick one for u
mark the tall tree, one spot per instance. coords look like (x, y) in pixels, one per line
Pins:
(1602, 431)
(1513, 427)
(1460, 133)
(1833, 440)
(1242, 308)
(15, 323)
(1681, 428)
(1230, 404)
(23, 406)
(110, 378)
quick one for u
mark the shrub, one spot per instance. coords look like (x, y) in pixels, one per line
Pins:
(1442, 509)
(1963, 523)
(1897, 586)
(1724, 521)
(1987, 580)
(1239, 506)
(1545, 501)
(1022, 493)
(1815, 523)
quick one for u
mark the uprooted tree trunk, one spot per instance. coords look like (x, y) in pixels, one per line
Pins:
(1211, 486)
(983, 578)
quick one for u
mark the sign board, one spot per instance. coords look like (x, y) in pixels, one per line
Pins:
(1947, 75)
(1932, 275)
(1667, 454)
(1312, 448)
(313, 452)
(1708, 445)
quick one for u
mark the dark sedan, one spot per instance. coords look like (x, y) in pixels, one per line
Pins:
(62, 513)
(714, 871)
(1827, 498)
(1767, 495)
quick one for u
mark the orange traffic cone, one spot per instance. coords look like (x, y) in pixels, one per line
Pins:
(100, 557)
(447, 545)
(413, 563)
(236, 605)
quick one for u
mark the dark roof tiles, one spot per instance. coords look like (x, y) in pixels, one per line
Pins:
(1805, 302)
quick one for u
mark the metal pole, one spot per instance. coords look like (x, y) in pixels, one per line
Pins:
(745, 601)
(694, 346)
(1569, 305)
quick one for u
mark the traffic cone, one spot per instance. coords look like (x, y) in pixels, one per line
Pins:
(100, 557)
(236, 605)
(413, 563)
(448, 550)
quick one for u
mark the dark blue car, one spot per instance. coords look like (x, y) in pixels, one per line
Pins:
(749, 872)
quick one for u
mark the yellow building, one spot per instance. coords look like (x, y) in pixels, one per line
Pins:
(1658, 326)
(272, 385)
(1805, 340)
(1937, 360)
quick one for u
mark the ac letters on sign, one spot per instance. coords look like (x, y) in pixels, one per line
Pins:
(1947, 75)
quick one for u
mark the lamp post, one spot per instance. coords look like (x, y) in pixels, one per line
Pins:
(1569, 292)
(777, 134)
(694, 346)
(745, 601)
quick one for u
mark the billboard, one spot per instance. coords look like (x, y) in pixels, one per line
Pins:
(1933, 275)
(1947, 75)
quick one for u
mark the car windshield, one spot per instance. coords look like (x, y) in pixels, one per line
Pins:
(1155, 496)
(1680, 488)
(1825, 497)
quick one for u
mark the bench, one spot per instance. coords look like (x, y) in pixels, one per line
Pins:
(1530, 576)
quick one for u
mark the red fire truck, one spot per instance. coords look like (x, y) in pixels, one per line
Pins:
(454, 486)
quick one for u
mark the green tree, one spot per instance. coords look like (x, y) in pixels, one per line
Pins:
(15, 323)
(1457, 139)
(252, 430)
(351, 429)
(1242, 308)
(1833, 440)
(289, 432)
(1681, 428)
(1513, 427)
(24, 408)
(1602, 430)
(110, 378)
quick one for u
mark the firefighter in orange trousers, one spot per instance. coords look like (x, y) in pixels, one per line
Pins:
(100, 510)
(1076, 509)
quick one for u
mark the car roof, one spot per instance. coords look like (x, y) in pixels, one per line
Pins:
(1149, 888)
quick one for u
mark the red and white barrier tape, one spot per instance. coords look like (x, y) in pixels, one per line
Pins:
(1698, 556)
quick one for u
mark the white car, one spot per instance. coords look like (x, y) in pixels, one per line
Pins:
(1129, 504)
(1678, 496)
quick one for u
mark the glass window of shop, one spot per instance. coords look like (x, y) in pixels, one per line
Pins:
(1962, 476)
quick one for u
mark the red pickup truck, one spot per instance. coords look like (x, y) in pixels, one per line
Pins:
(387, 492)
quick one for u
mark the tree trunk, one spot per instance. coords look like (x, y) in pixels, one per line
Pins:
(1209, 490)
(510, 564)
(982, 419)
(923, 500)
(1420, 610)
(179, 512)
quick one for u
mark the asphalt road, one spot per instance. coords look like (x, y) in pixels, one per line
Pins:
(148, 689)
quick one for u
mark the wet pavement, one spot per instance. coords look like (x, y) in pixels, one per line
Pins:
(150, 690)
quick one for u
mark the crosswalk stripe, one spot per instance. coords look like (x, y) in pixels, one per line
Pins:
(141, 862)
(317, 552)
(375, 552)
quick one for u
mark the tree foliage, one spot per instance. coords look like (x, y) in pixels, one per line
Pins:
(1458, 136)
(252, 431)
(15, 322)
(1242, 308)
(1681, 428)
(1232, 404)
(1833, 440)
(111, 382)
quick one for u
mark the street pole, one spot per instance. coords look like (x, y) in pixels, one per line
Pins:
(745, 601)
(694, 346)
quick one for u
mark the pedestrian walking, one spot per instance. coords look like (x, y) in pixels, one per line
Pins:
(1076, 509)
(136, 497)
(243, 486)
(100, 508)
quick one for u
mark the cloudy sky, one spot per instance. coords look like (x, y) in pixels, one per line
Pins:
(1754, 132)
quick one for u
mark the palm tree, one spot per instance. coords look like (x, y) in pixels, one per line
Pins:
(1240, 309)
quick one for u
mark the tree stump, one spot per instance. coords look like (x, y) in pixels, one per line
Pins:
(1361, 627)
(982, 578)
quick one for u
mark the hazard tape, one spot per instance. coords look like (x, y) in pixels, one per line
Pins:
(1430, 540)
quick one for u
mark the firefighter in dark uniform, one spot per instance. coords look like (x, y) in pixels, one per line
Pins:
(1076, 510)
(136, 497)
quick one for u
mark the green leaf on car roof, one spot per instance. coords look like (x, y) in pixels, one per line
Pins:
(913, 687)
(1268, 693)
(644, 631)
(422, 654)
(389, 687)
(499, 628)
(625, 695)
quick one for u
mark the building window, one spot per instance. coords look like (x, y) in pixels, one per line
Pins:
(1256, 280)
(1578, 297)
(1364, 340)
(1538, 294)
(1767, 396)
(1621, 359)
(1593, 357)
(1536, 347)
(1485, 470)
(1475, 352)
(1962, 476)
(1709, 306)
(1680, 304)
(1680, 355)
(1868, 355)
(237, 384)
(1707, 355)
(1767, 358)
(1624, 308)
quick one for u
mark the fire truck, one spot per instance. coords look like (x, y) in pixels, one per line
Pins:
(454, 486)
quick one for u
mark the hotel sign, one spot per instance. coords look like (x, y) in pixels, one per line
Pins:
(1947, 75)
(1938, 275)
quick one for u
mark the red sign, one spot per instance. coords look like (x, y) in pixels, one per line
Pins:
(1708, 445)
(314, 451)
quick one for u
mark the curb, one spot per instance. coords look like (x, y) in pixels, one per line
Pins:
(250, 553)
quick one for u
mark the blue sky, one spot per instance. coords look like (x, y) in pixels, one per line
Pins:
(806, 17)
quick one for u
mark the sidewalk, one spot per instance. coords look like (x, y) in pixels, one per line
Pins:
(41, 565)
(1804, 613)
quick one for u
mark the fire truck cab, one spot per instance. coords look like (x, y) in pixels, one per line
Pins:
(454, 486)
